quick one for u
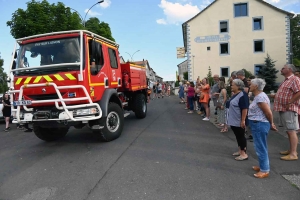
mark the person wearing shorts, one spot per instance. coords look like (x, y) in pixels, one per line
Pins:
(286, 102)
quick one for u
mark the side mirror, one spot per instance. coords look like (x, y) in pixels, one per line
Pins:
(14, 64)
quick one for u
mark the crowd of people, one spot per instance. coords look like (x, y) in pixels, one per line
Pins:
(246, 108)
(159, 90)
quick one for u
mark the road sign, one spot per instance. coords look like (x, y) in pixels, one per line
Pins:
(180, 52)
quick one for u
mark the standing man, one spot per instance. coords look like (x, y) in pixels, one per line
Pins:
(215, 89)
(241, 75)
(286, 102)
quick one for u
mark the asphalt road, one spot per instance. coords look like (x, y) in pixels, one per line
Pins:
(168, 155)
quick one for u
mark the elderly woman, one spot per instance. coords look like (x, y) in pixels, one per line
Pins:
(260, 119)
(237, 117)
(181, 93)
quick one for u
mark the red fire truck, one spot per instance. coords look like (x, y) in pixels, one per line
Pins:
(75, 78)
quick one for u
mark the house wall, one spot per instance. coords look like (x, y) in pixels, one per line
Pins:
(240, 37)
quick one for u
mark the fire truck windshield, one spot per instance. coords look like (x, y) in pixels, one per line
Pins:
(49, 52)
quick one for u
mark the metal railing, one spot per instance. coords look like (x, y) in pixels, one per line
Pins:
(67, 115)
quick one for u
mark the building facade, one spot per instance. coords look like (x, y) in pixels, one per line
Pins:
(229, 35)
(182, 68)
(150, 73)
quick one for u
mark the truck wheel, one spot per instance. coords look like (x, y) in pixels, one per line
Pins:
(140, 106)
(49, 134)
(113, 123)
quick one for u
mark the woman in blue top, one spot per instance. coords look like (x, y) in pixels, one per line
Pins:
(261, 120)
(237, 117)
(181, 92)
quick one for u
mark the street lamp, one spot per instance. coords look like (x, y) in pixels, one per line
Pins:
(76, 12)
(89, 10)
(132, 55)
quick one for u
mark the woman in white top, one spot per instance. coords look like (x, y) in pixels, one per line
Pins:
(260, 121)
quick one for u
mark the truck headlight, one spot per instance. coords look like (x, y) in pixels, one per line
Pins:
(87, 111)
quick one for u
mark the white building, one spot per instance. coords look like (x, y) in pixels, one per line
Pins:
(229, 35)
(182, 68)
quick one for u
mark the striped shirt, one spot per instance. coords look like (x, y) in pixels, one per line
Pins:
(287, 89)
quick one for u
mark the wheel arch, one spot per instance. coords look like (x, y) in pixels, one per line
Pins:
(109, 95)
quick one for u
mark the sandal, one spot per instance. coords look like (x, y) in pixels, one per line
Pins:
(224, 130)
(236, 154)
(240, 158)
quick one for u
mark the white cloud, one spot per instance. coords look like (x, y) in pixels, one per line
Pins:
(161, 21)
(105, 4)
(176, 13)
(92, 13)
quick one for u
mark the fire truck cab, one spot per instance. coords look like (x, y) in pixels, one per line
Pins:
(74, 78)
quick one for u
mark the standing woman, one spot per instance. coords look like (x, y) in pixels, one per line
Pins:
(261, 120)
(204, 97)
(181, 93)
(221, 106)
(169, 90)
(237, 117)
(190, 95)
(6, 111)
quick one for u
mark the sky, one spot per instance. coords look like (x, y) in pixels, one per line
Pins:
(144, 29)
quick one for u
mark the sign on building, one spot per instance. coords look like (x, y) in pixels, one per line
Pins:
(180, 52)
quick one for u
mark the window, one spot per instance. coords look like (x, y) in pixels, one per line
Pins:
(208, 48)
(224, 48)
(96, 57)
(258, 46)
(224, 27)
(257, 24)
(225, 71)
(113, 58)
(240, 10)
(257, 68)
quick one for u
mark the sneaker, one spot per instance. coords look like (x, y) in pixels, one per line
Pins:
(205, 119)
(190, 112)
(28, 130)
(6, 129)
(185, 108)
(250, 137)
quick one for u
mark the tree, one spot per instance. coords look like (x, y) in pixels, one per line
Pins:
(41, 17)
(209, 77)
(185, 75)
(295, 34)
(3, 78)
(247, 73)
(101, 28)
(268, 72)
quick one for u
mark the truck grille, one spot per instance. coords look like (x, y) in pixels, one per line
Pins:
(44, 96)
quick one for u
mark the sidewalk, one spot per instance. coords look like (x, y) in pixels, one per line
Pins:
(277, 141)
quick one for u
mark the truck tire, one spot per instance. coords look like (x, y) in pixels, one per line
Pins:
(140, 106)
(113, 123)
(50, 134)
